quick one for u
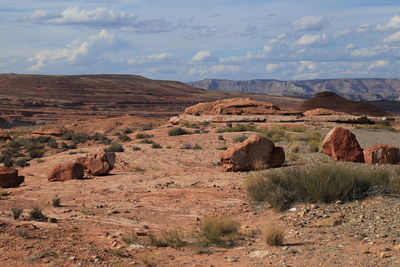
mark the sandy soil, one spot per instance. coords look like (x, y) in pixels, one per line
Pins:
(151, 190)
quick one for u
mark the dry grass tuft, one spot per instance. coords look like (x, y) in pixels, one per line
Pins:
(273, 234)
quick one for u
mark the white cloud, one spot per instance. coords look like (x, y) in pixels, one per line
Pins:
(378, 64)
(350, 46)
(312, 40)
(203, 55)
(371, 51)
(306, 66)
(363, 28)
(395, 37)
(274, 66)
(149, 59)
(341, 33)
(310, 23)
(393, 24)
(306, 76)
(73, 51)
(214, 70)
(259, 54)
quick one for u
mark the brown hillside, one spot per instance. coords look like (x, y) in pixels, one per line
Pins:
(44, 98)
(335, 102)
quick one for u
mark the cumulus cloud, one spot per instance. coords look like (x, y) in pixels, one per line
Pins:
(312, 40)
(73, 51)
(150, 59)
(101, 17)
(368, 52)
(393, 24)
(259, 54)
(203, 55)
(214, 70)
(395, 37)
(272, 67)
(310, 23)
(306, 66)
(378, 64)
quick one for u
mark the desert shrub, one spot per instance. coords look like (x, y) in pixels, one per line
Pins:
(171, 238)
(218, 230)
(114, 147)
(190, 146)
(36, 153)
(16, 213)
(143, 136)
(56, 202)
(146, 141)
(64, 147)
(127, 131)
(52, 143)
(294, 147)
(317, 184)
(124, 138)
(147, 127)
(273, 234)
(37, 215)
(11, 152)
(52, 220)
(101, 138)
(221, 138)
(22, 162)
(4, 193)
(7, 162)
(222, 148)
(78, 138)
(238, 128)
(377, 126)
(293, 156)
(240, 138)
(313, 146)
(135, 148)
(156, 146)
(177, 131)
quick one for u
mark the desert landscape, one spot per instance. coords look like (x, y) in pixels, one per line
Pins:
(220, 180)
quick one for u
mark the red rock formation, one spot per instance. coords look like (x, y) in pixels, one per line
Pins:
(342, 145)
(322, 111)
(382, 154)
(255, 153)
(9, 177)
(98, 164)
(66, 171)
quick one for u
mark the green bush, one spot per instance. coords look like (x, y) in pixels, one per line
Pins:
(22, 162)
(177, 131)
(238, 128)
(156, 146)
(52, 143)
(16, 212)
(240, 138)
(146, 141)
(127, 131)
(37, 215)
(143, 136)
(218, 230)
(114, 147)
(135, 148)
(101, 138)
(316, 184)
(124, 138)
(56, 202)
(36, 153)
(313, 146)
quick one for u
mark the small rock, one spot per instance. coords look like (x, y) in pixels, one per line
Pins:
(72, 258)
(331, 221)
(384, 255)
(292, 209)
(231, 259)
(397, 247)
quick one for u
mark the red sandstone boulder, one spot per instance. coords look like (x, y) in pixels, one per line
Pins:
(9, 177)
(342, 145)
(98, 164)
(255, 153)
(382, 154)
(66, 171)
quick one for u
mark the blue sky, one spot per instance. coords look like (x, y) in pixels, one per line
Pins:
(188, 40)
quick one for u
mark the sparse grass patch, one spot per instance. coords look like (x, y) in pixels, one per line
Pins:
(127, 131)
(322, 183)
(177, 131)
(273, 234)
(138, 169)
(156, 146)
(218, 230)
(22, 162)
(123, 137)
(4, 194)
(238, 128)
(16, 213)
(221, 138)
(56, 202)
(143, 136)
(222, 148)
(37, 215)
(313, 146)
(170, 238)
(135, 148)
(293, 156)
(114, 147)
(294, 147)
(146, 141)
(377, 126)
(240, 138)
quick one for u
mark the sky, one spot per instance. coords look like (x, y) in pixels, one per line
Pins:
(189, 40)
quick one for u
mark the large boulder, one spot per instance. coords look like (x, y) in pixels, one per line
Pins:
(255, 153)
(382, 154)
(66, 171)
(98, 164)
(342, 145)
(9, 177)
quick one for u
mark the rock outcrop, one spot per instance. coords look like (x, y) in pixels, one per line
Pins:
(66, 171)
(342, 145)
(9, 177)
(98, 164)
(382, 154)
(232, 106)
(322, 111)
(255, 153)
(53, 131)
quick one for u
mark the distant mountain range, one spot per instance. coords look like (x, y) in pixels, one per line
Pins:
(355, 89)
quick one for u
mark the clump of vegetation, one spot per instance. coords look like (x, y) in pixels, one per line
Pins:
(313, 146)
(143, 136)
(16, 212)
(77, 138)
(37, 215)
(101, 138)
(273, 234)
(382, 125)
(123, 137)
(127, 131)
(22, 162)
(294, 147)
(56, 202)
(317, 184)
(218, 230)
(177, 131)
(190, 146)
(147, 127)
(222, 148)
(221, 138)
(146, 141)
(156, 146)
(238, 128)
(240, 138)
(52, 143)
(135, 148)
(293, 156)
(4, 194)
(171, 238)
(114, 147)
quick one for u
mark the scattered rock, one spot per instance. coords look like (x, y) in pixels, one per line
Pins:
(9, 177)
(382, 154)
(331, 221)
(231, 259)
(322, 111)
(98, 164)
(66, 171)
(53, 131)
(255, 153)
(397, 247)
(342, 145)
